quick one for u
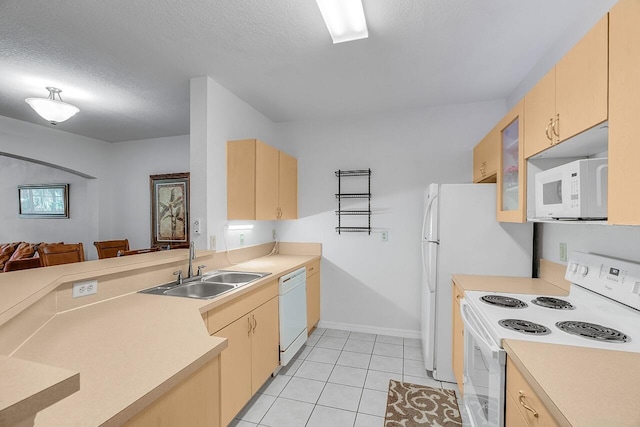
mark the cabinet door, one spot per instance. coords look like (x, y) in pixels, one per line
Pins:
(267, 165)
(511, 173)
(193, 402)
(624, 111)
(529, 405)
(265, 343)
(241, 179)
(485, 157)
(235, 368)
(288, 186)
(313, 301)
(582, 83)
(539, 112)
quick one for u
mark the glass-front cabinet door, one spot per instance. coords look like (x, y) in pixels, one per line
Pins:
(511, 172)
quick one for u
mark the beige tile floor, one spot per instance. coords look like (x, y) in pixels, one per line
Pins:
(338, 379)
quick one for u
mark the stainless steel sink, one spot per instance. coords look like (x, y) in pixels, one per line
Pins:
(208, 286)
(202, 290)
(236, 277)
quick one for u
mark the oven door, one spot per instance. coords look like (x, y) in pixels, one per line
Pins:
(484, 373)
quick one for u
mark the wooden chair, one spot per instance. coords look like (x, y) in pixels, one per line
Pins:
(138, 251)
(110, 248)
(22, 264)
(60, 254)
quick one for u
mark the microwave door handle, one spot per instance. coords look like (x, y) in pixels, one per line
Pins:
(468, 325)
(599, 176)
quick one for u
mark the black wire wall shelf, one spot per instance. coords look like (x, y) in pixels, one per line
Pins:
(340, 174)
(353, 196)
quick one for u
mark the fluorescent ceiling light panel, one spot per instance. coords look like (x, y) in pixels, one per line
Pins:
(344, 19)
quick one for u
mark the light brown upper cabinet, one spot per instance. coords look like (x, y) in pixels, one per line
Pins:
(511, 168)
(572, 97)
(262, 182)
(624, 113)
(485, 158)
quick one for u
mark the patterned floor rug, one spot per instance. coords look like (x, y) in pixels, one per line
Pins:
(411, 405)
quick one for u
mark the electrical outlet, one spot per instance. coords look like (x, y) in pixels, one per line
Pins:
(82, 289)
(241, 239)
(384, 236)
(563, 252)
(212, 242)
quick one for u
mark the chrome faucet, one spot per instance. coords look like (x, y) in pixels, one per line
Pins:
(192, 256)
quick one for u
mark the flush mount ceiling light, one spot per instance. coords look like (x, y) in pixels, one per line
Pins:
(344, 19)
(51, 109)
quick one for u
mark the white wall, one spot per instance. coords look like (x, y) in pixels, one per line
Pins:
(86, 156)
(114, 205)
(218, 116)
(585, 19)
(76, 228)
(368, 284)
(133, 163)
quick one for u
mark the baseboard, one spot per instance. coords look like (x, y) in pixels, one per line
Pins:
(405, 333)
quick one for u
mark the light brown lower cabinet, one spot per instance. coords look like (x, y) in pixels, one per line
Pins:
(193, 402)
(458, 339)
(313, 295)
(527, 403)
(251, 356)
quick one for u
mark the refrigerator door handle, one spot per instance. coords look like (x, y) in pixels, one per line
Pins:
(426, 273)
(427, 214)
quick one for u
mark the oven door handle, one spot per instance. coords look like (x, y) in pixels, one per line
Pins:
(469, 320)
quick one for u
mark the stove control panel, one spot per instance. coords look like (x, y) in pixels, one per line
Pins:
(611, 277)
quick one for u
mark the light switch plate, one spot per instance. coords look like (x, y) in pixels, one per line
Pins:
(83, 289)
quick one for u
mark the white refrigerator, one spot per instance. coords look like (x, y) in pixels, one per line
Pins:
(460, 235)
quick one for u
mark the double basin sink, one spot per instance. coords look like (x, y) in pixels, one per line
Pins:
(207, 286)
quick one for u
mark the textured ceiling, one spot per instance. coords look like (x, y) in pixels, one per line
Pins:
(127, 64)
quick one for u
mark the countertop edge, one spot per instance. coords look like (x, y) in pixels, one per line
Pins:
(66, 383)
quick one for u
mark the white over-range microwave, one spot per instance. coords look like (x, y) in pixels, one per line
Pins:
(575, 190)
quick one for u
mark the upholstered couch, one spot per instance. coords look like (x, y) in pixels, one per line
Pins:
(19, 256)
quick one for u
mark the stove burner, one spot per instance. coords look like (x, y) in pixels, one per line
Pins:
(503, 301)
(554, 303)
(524, 326)
(592, 331)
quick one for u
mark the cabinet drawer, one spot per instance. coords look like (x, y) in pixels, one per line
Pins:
(222, 316)
(522, 394)
(313, 267)
(513, 417)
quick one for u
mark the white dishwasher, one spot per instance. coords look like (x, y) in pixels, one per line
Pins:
(293, 313)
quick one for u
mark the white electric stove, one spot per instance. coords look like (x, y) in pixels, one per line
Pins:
(602, 311)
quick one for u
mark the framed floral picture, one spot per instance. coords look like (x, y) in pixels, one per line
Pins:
(170, 210)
